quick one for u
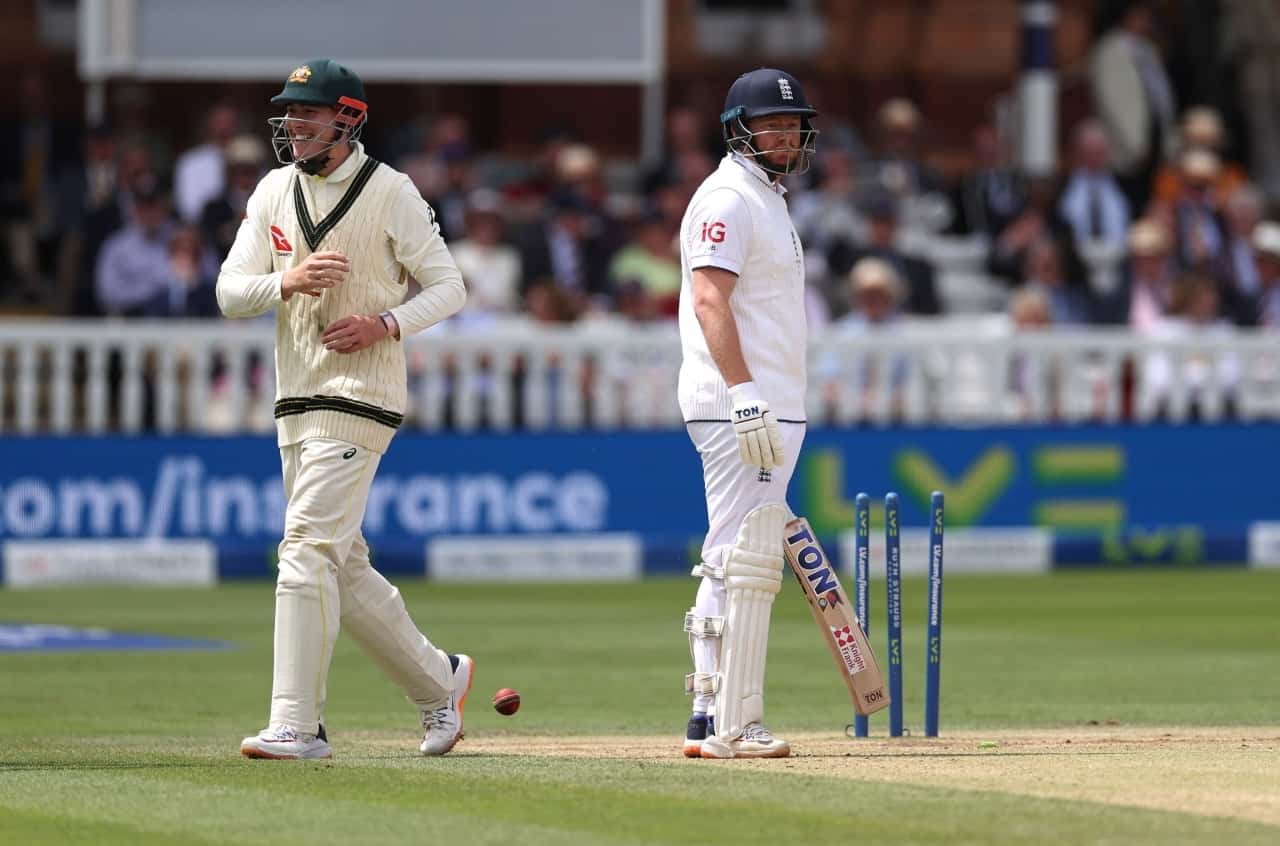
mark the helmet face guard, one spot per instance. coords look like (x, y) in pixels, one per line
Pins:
(349, 122)
(765, 92)
(742, 140)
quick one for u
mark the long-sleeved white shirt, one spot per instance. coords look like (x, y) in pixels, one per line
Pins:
(376, 217)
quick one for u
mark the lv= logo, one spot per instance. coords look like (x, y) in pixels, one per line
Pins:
(1053, 468)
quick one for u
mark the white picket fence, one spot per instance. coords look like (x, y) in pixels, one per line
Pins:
(217, 376)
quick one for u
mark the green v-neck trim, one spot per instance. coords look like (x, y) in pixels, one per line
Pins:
(314, 233)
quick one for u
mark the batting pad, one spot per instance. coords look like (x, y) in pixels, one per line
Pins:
(753, 577)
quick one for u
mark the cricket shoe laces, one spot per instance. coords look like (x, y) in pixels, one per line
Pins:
(444, 718)
(757, 733)
(284, 734)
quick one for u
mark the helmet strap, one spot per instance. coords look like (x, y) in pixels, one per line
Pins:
(314, 165)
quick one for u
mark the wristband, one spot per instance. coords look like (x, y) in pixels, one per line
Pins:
(744, 393)
(389, 320)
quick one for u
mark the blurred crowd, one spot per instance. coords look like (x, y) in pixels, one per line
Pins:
(1149, 223)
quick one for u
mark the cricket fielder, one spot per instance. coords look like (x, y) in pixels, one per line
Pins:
(328, 242)
(741, 392)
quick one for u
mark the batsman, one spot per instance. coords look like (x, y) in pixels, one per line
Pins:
(742, 397)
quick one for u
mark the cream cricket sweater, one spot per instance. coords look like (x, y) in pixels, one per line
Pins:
(375, 216)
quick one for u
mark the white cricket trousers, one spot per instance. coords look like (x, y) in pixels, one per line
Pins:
(325, 579)
(733, 490)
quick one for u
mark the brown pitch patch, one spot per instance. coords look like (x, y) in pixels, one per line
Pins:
(1218, 772)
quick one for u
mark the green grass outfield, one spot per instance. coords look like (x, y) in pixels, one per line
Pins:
(1065, 698)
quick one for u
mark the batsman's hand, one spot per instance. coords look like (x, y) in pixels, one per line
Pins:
(354, 333)
(759, 439)
(317, 272)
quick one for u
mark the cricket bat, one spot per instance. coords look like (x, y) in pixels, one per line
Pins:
(835, 617)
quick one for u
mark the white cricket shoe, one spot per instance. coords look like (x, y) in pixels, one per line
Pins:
(443, 725)
(756, 741)
(283, 743)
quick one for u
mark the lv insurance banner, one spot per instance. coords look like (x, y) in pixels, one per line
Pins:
(614, 505)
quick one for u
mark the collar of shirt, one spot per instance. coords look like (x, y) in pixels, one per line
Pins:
(756, 171)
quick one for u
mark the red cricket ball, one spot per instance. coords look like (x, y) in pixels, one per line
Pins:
(506, 701)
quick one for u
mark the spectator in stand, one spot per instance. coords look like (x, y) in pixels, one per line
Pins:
(898, 166)
(133, 272)
(850, 383)
(1266, 246)
(451, 198)
(876, 294)
(881, 211)
(1145, 296)
(830, 210)
(133, 169)
(567, 252)
(671, 200)
(1030, 310)
(693, 166)
(1038, 220)
(547, 302)
(442, 171)
(651, 261)
(633, 302)
(900, 169)
(822, 216)
(1032, 376)
(1250, 33)
(1238, 265)
(83, 191)
(531, 196)
(1199, 228)
(687, 132)
(1134, 99)
(93, 186)
(1092, 202)
(193, 277)
(1201, 130)
(1194, 315)
(38, 150)
(200, 173)
(1044, 273)
(490, 267)
(989, 197)
(245, 156)
(578, 172)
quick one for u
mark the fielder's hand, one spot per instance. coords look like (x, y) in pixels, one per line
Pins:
(317, 272)
(759, 439)
(354, 333)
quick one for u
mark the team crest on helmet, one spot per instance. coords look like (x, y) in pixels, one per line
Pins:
(784, 88)
(301, 75)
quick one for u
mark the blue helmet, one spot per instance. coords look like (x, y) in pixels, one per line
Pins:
(762, 92)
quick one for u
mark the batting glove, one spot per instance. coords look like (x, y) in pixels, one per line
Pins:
(759, 439)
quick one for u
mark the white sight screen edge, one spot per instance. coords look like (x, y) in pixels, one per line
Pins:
(480, 40)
